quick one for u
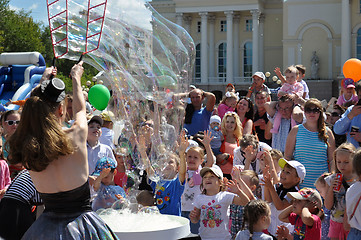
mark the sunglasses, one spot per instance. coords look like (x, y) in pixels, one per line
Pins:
(335, 114)
(12, 122)
(312, 110)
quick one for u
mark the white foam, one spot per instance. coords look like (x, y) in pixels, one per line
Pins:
(125, 221)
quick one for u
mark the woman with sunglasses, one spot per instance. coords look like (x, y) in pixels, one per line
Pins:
(57, 161)
(9, 122)
(312, 143)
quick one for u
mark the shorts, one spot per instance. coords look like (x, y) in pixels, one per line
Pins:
(354, 234)
(336, 230)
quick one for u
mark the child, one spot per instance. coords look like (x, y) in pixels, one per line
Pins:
(248, 182)
(147, 200)
(211, 206)
(230, 88)
(335, 200)
(293, 173)
(257, 215)
(248, 153)
(5, 179)
(95, 149)
(347, 93)
(194, 157)
(305, 214)
(290, 88)
(257, 85)
(107, 191)
(169, 189)
(228, 104)
(353, 198)
(215, 129)
(321, 187)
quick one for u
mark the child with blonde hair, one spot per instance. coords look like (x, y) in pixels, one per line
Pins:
(337, 185)
(292, 88)
(228, 104)
(257, 216)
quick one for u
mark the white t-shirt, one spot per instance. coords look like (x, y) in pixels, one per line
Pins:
(214, 219)
(352, 196)
(191, 191)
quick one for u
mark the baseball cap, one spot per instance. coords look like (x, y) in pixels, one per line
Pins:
(230, 85)
(300, 169)
(307, 194)
(216, 119)
(215, 169)
(96, 119)
(259, 74)
(107, 116)
(348, 83)
(192, 143)
(104, 162)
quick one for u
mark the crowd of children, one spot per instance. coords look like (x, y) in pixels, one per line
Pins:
(225, 180)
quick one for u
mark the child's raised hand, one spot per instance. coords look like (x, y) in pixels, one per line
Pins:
(282, 232)
(183, 142)
(236, 173)
(267, 179)
(249, 153)
(232, 186)
(195, 215)
(207, 138)
(277, 70)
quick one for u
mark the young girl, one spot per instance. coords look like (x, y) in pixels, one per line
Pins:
(292, 88)
(232, 132)
(257, 215)
(321, 187)
(210, 208)
(335, 198)
(305, 214)
(347, 93)
(194, 158)
(228, 104)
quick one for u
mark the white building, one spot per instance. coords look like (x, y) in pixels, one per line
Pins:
(237, 37)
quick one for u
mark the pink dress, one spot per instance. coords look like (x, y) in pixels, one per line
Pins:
(295, 88)
(4, 175)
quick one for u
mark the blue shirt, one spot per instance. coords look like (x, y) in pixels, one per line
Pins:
(200, 121)
(344, 124)
(168, 195)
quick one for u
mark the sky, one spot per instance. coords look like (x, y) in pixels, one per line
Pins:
(37, 7)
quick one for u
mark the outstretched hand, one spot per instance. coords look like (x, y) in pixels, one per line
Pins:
(183, 142)
(207, 138)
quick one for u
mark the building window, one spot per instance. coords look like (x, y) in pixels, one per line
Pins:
(199, 25)
(247, 60)
(249, 25)
(223, 26)
(198, 62)
(222, 60)
(358, 44)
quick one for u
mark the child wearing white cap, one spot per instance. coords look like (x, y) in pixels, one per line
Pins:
(215, 129)
(258, 79)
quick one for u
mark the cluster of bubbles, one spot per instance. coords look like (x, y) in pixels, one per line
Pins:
(146, 60)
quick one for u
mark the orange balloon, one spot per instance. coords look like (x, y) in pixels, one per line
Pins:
(352, 69)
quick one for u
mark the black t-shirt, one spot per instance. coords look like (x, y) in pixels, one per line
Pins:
(260, 132)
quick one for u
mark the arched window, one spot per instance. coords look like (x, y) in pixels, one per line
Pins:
(358, 44)
(222, 60)
(247, 59)
(198, 63)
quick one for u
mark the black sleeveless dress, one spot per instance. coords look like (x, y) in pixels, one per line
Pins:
(68, 215)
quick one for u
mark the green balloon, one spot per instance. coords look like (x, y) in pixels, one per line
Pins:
(99, 96)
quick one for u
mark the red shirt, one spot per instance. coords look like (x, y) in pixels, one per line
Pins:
(312, 233)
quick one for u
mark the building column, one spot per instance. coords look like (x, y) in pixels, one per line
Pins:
(229, 71)
(236, 20)
(345, 32)
(255, 35)
(188, 22)
(204, 47)
(261, 43)
(179, 19)
(212, 72)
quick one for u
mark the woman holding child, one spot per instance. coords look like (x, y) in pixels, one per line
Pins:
(312, 143)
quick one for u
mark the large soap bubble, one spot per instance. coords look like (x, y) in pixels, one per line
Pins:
(144, 57)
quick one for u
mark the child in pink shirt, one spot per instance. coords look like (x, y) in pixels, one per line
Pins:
(228, 104)
(292, 88)
(4, 177)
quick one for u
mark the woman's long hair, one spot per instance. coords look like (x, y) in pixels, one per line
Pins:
(39, 138)
(238, 131)
(189, 113)
(321, 126)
